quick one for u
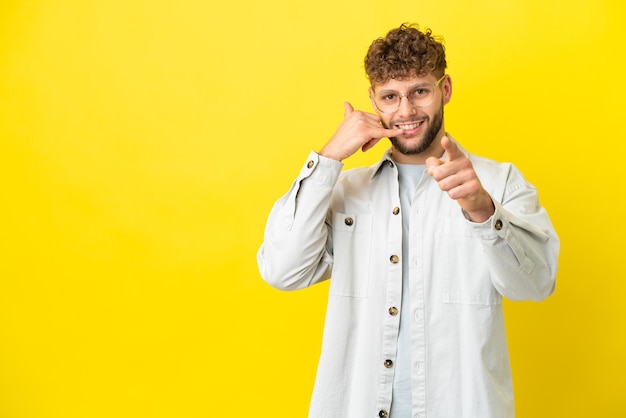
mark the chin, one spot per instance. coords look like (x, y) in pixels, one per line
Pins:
(411, 146)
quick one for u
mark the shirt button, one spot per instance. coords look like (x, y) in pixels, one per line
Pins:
(393, 311)
(498, 225)
(394, 259)
(396, 210)
(389, 163)
(383, 414)
(349, 221)
(388, 364)
(310, 164)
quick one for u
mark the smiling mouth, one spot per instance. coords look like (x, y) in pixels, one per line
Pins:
(409, 126)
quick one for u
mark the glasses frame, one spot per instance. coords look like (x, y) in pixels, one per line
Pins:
(434, 86)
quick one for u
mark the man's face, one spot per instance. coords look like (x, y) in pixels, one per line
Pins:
(421, 125)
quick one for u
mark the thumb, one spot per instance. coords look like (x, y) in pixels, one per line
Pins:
(431, 163)
(451, 148)
(348, 109)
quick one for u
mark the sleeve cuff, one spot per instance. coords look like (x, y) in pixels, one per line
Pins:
(496, 226)
(321, 169)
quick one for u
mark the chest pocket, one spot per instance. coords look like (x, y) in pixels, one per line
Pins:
(352, 247)
(467, 278)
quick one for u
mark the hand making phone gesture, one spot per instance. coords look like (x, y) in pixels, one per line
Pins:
(357, 130)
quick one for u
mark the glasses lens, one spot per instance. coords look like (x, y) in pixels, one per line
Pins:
(387, 102)
(421, 96)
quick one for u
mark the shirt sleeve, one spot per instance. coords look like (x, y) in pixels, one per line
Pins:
(520, 242)
(296, 250)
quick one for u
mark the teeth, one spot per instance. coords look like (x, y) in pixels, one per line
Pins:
(408, 126)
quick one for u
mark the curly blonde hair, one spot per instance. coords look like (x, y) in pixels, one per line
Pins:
(405, 52)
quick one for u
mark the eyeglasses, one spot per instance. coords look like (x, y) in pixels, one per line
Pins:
(388, 101)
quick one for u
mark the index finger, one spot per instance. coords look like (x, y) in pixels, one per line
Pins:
(451, 148)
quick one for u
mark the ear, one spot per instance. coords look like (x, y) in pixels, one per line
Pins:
(446, 88)
(370, 92)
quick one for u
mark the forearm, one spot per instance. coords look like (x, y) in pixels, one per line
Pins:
(522, 253)
(295, 251)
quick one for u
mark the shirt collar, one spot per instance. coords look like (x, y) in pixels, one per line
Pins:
(387, 161)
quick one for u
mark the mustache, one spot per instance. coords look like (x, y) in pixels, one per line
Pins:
(409, 120)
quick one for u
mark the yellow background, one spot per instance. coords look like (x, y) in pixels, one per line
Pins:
(142, 144)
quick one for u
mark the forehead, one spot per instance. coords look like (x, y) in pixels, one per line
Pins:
(402, 84)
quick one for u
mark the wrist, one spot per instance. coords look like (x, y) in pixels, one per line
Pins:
(328, 153)
(479, 213)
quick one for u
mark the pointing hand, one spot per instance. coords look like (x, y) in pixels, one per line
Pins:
(457, 177)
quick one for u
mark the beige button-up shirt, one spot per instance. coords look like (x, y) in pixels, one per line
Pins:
(347, 225)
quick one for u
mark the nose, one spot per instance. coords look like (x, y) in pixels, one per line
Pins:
(405, 108)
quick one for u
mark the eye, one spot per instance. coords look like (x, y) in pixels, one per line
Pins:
(420, 92)
(388, 97)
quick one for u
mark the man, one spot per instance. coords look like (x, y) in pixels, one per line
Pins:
(421, 247)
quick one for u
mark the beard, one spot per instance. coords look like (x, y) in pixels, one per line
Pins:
(429, 135)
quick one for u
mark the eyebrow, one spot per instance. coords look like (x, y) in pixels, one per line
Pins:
(409, 89)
